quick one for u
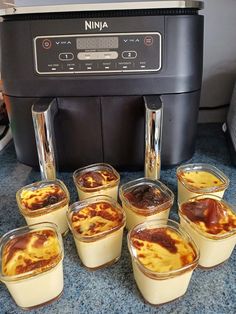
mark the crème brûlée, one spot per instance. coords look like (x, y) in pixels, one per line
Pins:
(34, 252)
(163, 260)
(35, 199)
(96, 218)
(98, 230)
(210, 215)
(144, 199)
(32, 265)
(45, 201)
(211, 222)
(97, 180)
(200, 179)
(162, 249)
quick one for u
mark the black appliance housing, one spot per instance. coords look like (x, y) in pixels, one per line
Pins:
(101, 116)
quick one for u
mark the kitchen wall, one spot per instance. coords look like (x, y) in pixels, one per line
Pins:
(219, 54)
(219, 72)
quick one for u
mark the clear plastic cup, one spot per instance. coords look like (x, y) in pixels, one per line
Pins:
(97, 225)
(31, 264)
(96, 179)
(198, 179)
(46, 200)
(144, 199)
(163, 258)
(211, 222)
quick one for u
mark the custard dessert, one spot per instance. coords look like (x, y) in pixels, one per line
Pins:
(163, 258)
(212, 224)
(199, 179)
(144, 199)
(97, 179)
(31, 264)
(97, 225)
(45, 201)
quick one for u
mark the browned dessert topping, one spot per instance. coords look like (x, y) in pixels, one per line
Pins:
(94, 179)
(211, 215)
(34, 199)
(162, 249)
(157, 235)
(96, 218)
(34, 251)
(146, 196)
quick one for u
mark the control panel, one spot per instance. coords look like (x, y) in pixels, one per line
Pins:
(98, 53)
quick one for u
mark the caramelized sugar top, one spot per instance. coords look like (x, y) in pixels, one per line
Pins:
(34, 199)
(211, 215)
(96, 178)
(96, 218)
(162, 249)
(35, 251)
(146, 196)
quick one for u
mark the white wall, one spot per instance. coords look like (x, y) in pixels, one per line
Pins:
(219, 57)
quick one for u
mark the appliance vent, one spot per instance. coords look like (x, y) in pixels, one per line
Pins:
(100, 14)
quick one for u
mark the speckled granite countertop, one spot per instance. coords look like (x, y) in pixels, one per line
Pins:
(113, 290)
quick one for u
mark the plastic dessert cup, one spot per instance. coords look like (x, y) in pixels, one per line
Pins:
(199, 179)
(31, 264)
(97, 225)
(211, 222)
(163, 258)
(96, 179)
(144, 199)
(42, 201)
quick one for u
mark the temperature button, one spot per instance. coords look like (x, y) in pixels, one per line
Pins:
(129, 54)
(66, 56)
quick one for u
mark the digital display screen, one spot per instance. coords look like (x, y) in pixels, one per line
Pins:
(97, 43)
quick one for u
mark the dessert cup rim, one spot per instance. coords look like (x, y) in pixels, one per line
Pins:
(90, 168)
(205, 167)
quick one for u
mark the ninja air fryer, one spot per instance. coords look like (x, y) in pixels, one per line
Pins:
(97, 63)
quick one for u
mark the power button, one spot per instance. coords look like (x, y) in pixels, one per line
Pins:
(47, 44)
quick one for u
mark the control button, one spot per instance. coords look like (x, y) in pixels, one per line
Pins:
(47, 44)
(97, 55)
(124, 66)
(66, 56)
(129, 54)
(148, 41)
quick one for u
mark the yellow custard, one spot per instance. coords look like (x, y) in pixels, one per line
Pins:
(200, 179)
(36, 251)
(162, 249)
